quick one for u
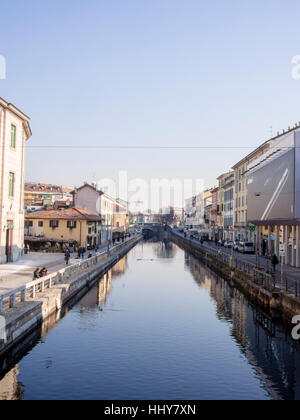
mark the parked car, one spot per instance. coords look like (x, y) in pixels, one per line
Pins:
(246, 247)
(193, 234)
(228, 244)
(221, 242)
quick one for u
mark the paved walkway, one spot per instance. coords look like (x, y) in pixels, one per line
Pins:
(291, 275)
(15, 275)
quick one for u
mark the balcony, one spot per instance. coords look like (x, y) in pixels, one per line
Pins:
(240, 224)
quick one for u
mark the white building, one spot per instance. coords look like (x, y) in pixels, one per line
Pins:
(228, 211)
(194, 211)
(14, 132)
(89, 198)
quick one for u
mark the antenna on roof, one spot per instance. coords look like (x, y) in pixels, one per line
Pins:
(271, 131)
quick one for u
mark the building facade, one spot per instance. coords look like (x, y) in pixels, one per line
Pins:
(194, 211)
(228, 188)
(241, 225)
(89, 198)
(54, 229)
(121, 220)
(273, 196)
(38, 196)
(14, 133)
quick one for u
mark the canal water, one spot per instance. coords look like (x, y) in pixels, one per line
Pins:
(159, 325)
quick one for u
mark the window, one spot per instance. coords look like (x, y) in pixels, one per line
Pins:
(71, 224)
(54, 224)
(11, 188)
(41, 224)
(28, 223)
(13, 136)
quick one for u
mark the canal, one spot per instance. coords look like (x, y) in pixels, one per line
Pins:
(159, 325)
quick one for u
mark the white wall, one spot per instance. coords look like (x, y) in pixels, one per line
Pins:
(11, 160)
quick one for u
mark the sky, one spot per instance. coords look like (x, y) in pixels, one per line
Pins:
(160, 88)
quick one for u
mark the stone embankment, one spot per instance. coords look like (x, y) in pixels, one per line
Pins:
(257, 284)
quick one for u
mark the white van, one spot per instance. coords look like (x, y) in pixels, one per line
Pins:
(246, 247)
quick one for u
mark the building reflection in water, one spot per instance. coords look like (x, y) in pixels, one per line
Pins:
(268, 346)
(165, 249)
(10, 388)
(104, 285)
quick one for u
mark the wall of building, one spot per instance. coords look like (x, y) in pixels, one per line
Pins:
(11, 160)
(78, 234)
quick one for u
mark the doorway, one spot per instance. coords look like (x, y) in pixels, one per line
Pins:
(9, 241)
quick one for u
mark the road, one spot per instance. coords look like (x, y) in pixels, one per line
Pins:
(291, 275)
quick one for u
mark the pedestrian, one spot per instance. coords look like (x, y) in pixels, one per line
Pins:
(82, 252)
(263, 247)
(43, 272)
(67, 256)
(79, 252)
(216, 241)
(201, 241)
(36, 274)
(275, 262)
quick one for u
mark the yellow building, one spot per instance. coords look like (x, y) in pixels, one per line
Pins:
(52, 229)
(121, 219)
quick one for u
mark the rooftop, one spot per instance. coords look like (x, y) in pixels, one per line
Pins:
(64, 214)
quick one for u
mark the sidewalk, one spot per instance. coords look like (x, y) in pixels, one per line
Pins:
(17, 274)
(14, 275)
(291, 275)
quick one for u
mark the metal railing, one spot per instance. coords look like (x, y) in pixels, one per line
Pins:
(261, 276)
(30, 290)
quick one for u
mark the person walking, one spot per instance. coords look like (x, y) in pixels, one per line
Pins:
(82, 252)
(79, 252)
(275, 262)
(67, 256)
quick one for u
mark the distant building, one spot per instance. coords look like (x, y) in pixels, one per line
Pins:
(55, 229)
(14, 132)
(38, 195)
(121, 220)
(215, 211)
(226, 206)
(194, 211)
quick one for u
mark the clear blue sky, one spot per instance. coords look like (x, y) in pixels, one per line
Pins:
(158, 73)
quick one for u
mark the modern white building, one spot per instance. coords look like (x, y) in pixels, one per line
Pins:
(14, 132)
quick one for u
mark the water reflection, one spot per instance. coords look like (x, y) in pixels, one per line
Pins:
(104, 285)
(166, 315)
(267, 346)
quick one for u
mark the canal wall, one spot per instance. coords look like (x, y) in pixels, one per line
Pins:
(258, 289)
(74, 281)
